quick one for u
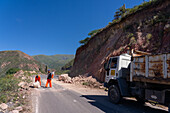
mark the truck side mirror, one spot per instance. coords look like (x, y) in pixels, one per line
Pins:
(105, 66)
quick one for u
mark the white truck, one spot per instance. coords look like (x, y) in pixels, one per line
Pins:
(141, 75)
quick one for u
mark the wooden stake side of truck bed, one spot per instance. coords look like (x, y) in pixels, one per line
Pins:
(151, 69)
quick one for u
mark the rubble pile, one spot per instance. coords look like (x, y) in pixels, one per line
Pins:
(87, 81)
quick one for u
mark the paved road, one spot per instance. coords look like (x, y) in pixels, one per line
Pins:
(61, 100)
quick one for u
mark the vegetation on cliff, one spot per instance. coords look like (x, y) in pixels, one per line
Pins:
(92, 33)
(67, 67)
(123, 13)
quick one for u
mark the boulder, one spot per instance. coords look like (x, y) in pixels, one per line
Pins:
(14, 111)
(167, 27)
(101, 87)
(3, 106)
(10, 104)
(19, 108)
(22, 84)
(62, 77)
(65, 78)
(31, 72)
(36, 84)
(23, 78)
(68, 80)
(19, 73)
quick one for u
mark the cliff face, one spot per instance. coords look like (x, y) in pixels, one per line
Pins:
(18, 59)
(145, 30)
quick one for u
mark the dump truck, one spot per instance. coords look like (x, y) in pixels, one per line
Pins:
(141, 75)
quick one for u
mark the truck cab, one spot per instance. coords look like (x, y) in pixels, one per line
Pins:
(116, 67)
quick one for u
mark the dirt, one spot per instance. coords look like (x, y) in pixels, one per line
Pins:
(84, 90)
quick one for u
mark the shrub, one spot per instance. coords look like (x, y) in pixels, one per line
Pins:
(149, 36)
(8, 85)
(85, 83)
(12, 71)
(130, 35)
(94, 32)
(84, 41)
(132, 40)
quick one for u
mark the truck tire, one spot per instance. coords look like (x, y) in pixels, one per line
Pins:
(114, 94)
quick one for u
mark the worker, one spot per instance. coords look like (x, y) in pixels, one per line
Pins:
(38, 78)
(49, 77)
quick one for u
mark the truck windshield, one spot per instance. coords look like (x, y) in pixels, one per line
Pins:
(113, 63)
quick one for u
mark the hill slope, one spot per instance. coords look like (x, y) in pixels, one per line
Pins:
(54, 61)
(18, 59)
(145, 29)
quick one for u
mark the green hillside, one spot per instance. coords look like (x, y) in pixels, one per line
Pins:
(54, 61)
(68, 65)
(18, 60)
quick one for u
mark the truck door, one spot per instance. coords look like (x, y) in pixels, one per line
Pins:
(111, 70)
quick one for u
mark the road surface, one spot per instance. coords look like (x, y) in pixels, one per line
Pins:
(59, 99)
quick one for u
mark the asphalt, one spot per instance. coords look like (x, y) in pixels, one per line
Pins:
(60, 100)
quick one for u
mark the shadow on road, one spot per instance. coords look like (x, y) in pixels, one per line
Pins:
(40, 87)
(31, 86)
(126, 105)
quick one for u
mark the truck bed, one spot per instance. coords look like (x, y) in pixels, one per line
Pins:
(151, 68)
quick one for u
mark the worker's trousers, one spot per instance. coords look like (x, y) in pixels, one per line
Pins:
(48, 82)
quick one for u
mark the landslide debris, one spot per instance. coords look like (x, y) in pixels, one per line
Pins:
(83, 80)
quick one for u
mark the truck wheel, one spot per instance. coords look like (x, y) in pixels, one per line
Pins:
(140, 100)
(114, 94)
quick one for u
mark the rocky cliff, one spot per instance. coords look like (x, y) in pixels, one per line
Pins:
(20, 60)
(146, 30)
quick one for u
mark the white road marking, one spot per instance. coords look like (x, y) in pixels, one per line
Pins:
(36, 108)
(74, 100)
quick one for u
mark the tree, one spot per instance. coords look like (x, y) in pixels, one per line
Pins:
(93, 32)
(117, 15)
(46, 68)
(120, 12)
(84, 41)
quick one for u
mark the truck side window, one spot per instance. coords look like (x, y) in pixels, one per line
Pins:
(114, 63)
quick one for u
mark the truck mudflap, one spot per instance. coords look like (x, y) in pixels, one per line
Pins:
(106, 85)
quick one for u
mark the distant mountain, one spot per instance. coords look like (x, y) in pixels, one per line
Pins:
(20, 60)
(54, 61)
(68, 65)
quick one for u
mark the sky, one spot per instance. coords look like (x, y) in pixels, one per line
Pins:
(52, 27)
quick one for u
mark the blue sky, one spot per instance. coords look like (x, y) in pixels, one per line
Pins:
(53, 26)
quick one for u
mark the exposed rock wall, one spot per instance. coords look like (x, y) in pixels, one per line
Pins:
(145, 30)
